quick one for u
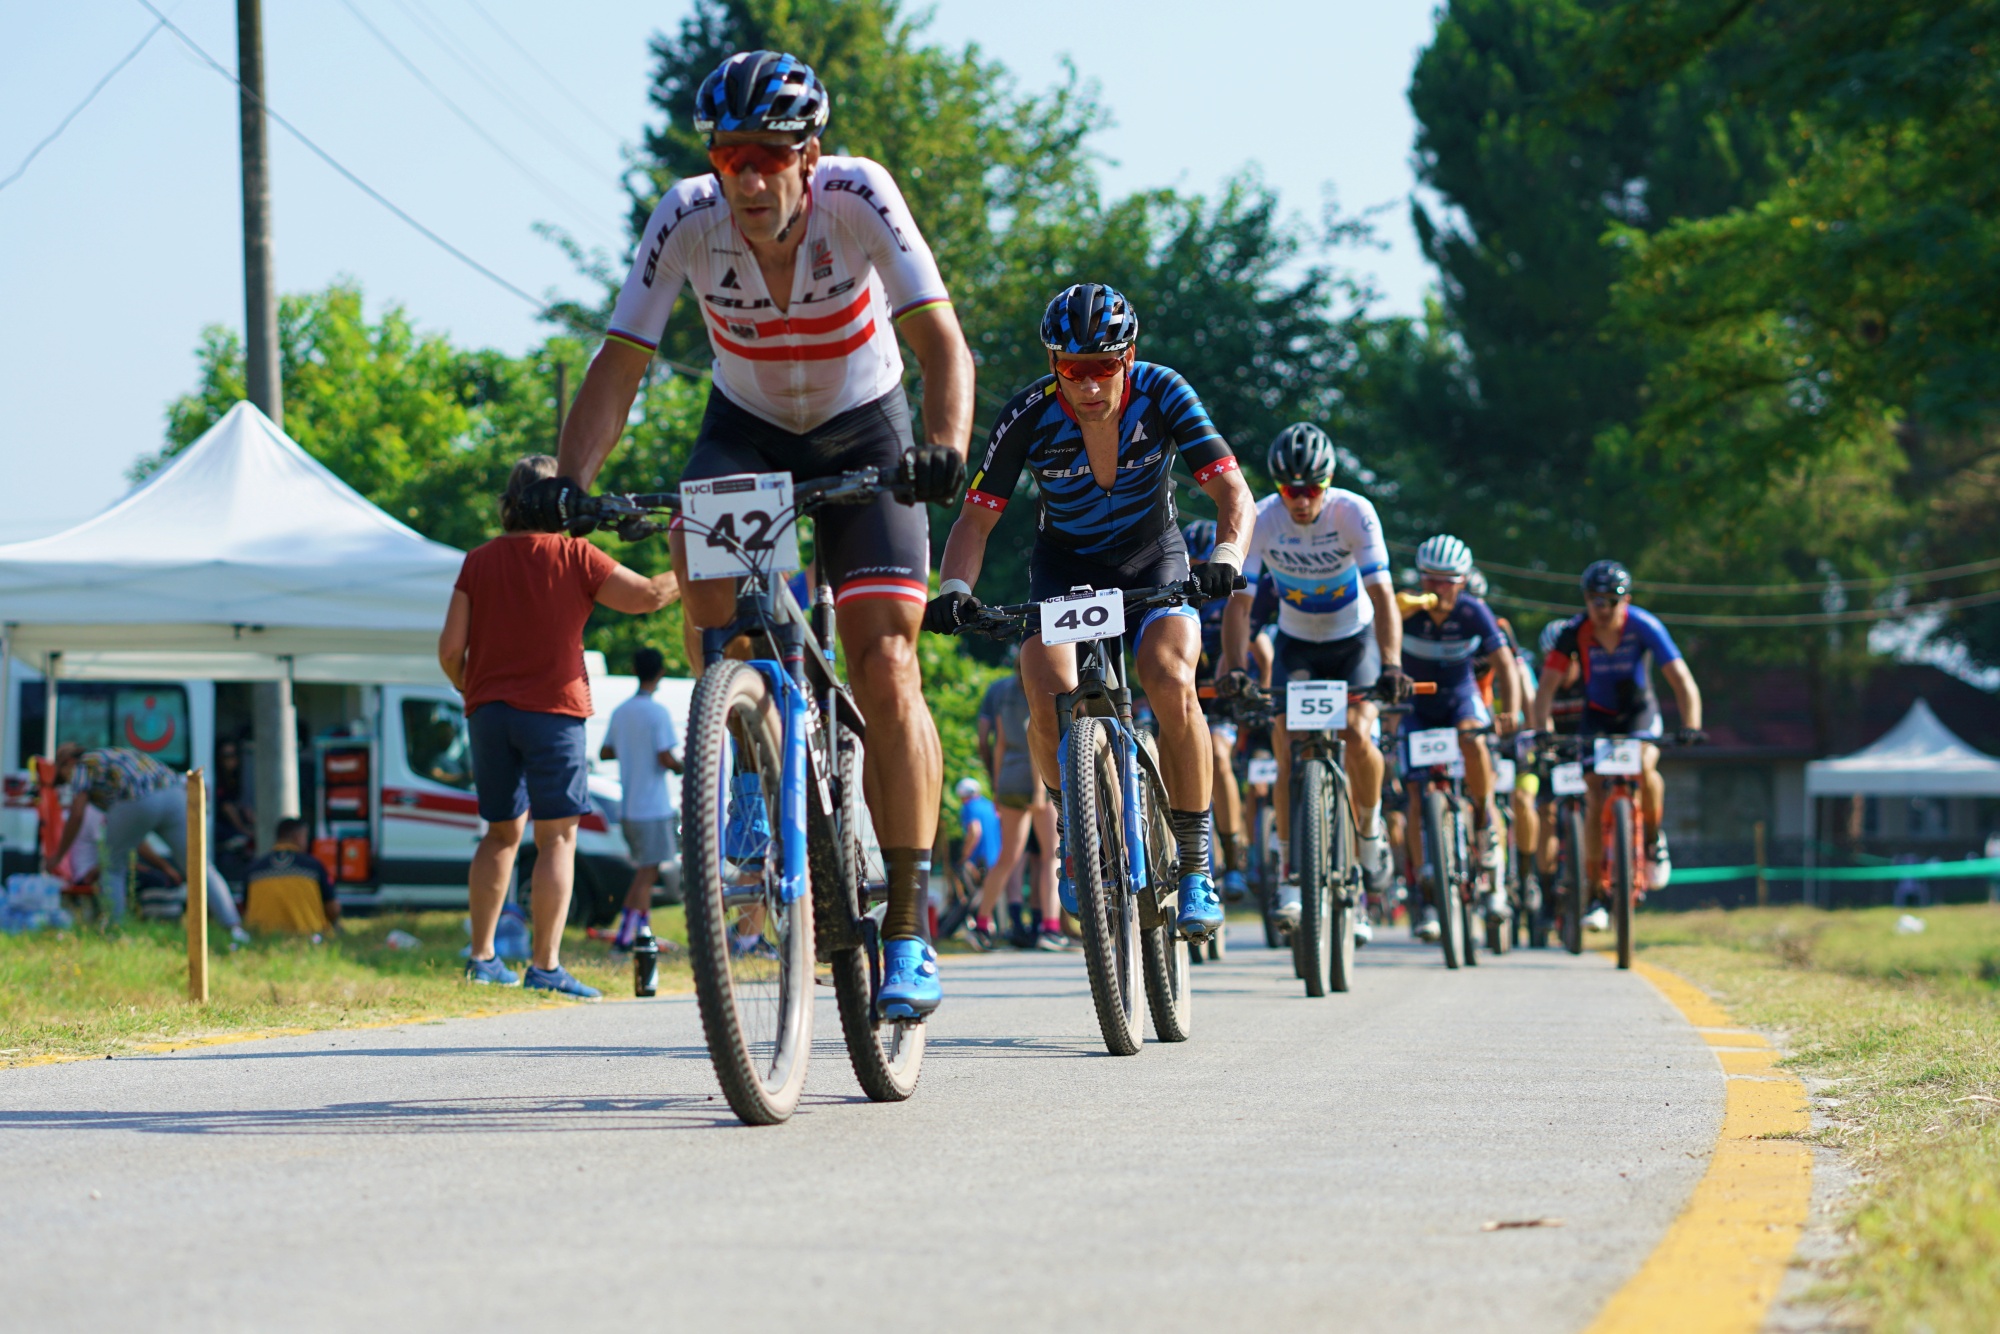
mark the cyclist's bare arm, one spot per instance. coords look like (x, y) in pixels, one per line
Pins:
(1235, 511)
(934, 336)
(1506, 682)
(1686, 693)
(965, 549)
(598, 415)
(1545, 696)
(1388, 621)
(1236, 629)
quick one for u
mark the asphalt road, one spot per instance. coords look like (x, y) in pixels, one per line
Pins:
(1300, 1164)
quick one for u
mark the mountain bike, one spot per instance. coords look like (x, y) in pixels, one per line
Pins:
(1562, 757)
(1433, 766)
(1119, 844)
(771, 807)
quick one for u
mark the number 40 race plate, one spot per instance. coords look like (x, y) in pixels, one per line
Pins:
(722, 514)
(1076, 617)
(1315, 706)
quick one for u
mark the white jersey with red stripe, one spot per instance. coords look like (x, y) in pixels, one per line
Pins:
(861, 266)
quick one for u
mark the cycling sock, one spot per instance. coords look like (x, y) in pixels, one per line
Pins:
(1191, 832)
(1052, 925)
(984, 922)
(1232, 850)
(1371, 825)
(909, 883)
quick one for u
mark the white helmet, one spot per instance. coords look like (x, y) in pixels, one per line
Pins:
(967, 787)
(1445, 555)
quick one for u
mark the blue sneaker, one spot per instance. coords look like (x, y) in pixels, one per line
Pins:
(751, 947)
(558, 980)
(1234, 886)
(749, 830)
(490, 972)
(910, 986)
(1201, 912)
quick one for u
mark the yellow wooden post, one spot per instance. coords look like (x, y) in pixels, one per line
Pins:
(1763, 885)
(197, 887)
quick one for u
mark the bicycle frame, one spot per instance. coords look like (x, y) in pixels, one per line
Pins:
(1101, 691)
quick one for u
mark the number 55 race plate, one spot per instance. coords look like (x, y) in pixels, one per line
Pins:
(722, 514)
(1076, 617)
(1315, 706)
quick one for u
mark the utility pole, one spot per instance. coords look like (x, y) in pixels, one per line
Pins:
(274, 719)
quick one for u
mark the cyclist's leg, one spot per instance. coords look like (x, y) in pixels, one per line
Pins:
(1045, 673)
(1169, 646)
(1593, 842)
(1652, 792)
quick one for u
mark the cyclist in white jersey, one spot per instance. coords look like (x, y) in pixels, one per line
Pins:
(805, 266)
(1337, 621)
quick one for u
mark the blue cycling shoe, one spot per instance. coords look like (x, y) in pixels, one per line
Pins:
(1234, 886)
(749, 831)
(1201, 912)
(910, 986)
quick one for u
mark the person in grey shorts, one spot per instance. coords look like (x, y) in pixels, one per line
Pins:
(1023, 807)
(139, 796)
(642, 738)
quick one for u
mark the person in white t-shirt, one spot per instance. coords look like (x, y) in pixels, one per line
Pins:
(641, 737)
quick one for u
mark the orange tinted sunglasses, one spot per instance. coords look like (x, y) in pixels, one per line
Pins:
(764, 159)
(1095, 368)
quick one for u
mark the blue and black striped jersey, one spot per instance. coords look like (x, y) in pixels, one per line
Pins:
(1161, 417)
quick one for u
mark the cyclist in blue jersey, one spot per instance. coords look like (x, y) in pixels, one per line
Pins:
(1444, 643)
(1227, 807)
(1100, 434)
(1609, 650)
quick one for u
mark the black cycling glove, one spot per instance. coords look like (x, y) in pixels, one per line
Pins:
(930, 474)
(1691, 736)
(947, 613)
(1394, 684)
(1232, 683)
(553, 505)
(1217, 580)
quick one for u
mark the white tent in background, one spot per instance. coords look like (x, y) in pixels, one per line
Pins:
(1918, 757)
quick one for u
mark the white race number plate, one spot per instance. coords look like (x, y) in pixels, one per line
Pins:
(1264, 769)
(723, 513)
(1315, 706)
(1566, 780)
(1438, 745)
(1503, 775)
(1620, 759)
(1083, 616)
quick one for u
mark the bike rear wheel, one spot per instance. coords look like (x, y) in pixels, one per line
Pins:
(1325, 855)
(756, 1003)
(1623, 851)
(1110, 916)
(1441, 850)
(1269, 873)
(1576, 882)
(887, 1055)
(1167, 955)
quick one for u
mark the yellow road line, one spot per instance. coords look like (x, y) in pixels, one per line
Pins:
(1719, 1267)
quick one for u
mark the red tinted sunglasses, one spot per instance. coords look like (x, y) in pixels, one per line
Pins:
(764, 159)
(1291, 492)
(1096, 368)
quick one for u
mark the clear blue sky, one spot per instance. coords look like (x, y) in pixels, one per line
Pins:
(123, 238)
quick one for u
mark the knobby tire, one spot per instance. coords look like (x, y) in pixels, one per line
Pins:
(1095, 821)
(1441, 849)
(1622, 815)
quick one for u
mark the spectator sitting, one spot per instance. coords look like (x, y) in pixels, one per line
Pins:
(288, 888)
(513, 645)
(980, 824)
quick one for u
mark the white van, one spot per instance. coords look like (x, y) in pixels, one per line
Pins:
(386, 777)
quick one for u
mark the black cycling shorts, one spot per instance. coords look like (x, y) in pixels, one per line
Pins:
(878, 550)
(1053, 572)
(1357, 660)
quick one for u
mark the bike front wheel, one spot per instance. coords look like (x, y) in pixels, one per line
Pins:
(1576, 883)
(1441, 842)
(1622, 865)
(1326, 852)
(751, 949)
(1110, 915)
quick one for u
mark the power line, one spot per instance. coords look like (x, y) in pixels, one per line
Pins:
(88, 98)
(550, 188)
(1747, 590)
(541, 69)
(1941, 606)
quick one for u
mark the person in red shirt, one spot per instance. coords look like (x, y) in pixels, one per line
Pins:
(513, 645)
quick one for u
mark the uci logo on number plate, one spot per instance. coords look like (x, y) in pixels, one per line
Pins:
(1315, 706)
(1566, 780)
(1620, 759)
(1077, 617)
(723, 514)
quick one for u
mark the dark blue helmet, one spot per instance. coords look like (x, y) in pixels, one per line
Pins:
(1200, 537)
(762, 90)
(1607, 576)
(1089, 320)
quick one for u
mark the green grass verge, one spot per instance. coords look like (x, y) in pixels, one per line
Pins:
(87, 992)
(1908, 1029)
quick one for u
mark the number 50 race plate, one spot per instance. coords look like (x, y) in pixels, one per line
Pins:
(1315, 706)
(1438, 745)
(1076, 617)
(723, 513)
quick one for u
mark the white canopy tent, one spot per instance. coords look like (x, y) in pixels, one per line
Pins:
(243, 559)
(1918, 757)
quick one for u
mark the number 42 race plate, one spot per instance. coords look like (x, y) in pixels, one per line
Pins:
(1076, 617)
(724, 513)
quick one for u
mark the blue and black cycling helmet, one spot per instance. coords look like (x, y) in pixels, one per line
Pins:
(1089, 320)
(1607, 576)
(762, 91)
(1302, 455)
(1200, 538)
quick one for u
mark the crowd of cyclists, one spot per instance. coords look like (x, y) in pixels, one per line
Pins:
(807, 267)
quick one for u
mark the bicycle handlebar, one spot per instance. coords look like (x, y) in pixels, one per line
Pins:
(848, 488)
(1025, 618)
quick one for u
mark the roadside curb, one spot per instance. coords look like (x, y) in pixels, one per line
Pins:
(1721, 1263)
